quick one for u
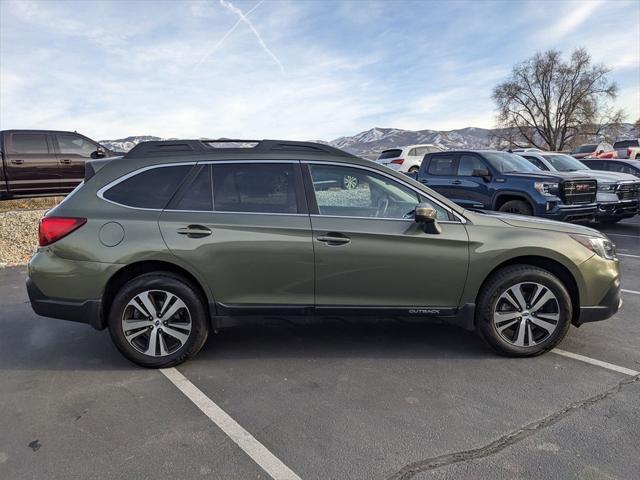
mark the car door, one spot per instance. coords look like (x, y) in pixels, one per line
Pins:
(72, 152)
(441, 175)
(474, 192)
(370, 255)
(30, 163)
(244, 227)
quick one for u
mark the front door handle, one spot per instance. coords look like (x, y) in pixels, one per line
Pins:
(195, 231)
(65, 161)
(457, 182)
(334, 239)
(17, 161)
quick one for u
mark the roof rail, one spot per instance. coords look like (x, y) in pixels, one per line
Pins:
(199, 147)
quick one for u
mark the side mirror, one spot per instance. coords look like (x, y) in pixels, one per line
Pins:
(99, 153)
(427, 217)
(482, 173)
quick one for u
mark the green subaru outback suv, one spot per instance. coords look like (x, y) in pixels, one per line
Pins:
(178, 238)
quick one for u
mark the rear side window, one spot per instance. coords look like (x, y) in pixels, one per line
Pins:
(393, 153)
(443, 165)
(626, 144)
(152, 188)
(255, 188)
(199, 196)
(536, 162)
(29, 143)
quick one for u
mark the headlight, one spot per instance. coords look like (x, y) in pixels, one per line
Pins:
(600, 246)
(606, 187)
(546, 188)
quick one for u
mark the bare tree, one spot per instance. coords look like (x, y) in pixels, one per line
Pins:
(551, 103)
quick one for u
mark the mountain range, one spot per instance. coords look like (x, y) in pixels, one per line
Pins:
(370, 143)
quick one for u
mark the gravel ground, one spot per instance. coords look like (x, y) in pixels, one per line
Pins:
(18, 236)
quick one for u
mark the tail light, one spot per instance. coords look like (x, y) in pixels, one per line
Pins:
(398, 161)
(629, 152)
(52, 229)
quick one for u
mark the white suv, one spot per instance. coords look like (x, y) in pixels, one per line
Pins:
(406, 159)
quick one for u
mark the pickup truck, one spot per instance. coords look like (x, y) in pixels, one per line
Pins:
(493, 180)
(625, 148)
(618, 193)
(44, 162)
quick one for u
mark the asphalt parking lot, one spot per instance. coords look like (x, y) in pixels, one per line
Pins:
(327, 401)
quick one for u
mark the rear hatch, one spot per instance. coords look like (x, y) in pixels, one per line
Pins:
(391, 158)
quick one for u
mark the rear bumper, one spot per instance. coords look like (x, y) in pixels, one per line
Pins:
(608, 306)
(87, 311)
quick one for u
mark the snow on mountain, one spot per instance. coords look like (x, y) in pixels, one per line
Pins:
(371, 142)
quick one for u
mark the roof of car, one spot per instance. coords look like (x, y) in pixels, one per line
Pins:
(221, 147)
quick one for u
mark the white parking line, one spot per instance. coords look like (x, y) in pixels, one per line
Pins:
(252, 447)
(627, 255)
(629, 291)
(593, 361)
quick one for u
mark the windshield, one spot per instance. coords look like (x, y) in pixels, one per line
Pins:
(565, 163)
(585, 149)
(508, 162)
(396, 152)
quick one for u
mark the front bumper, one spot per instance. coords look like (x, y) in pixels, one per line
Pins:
(607, 308)
(571, 213)
(87, 311)
(620, 209)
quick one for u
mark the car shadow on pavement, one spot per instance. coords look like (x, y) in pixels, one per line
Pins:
(338, 338)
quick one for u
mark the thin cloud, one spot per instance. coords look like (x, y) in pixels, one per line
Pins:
(243, 18)
(212, 50)
(578, 13)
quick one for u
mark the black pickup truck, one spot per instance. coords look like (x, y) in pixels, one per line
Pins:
(44, 162)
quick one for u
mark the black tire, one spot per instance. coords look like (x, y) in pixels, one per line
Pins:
(520, 207)
(176, 285)
(414, 169)
(490, 294)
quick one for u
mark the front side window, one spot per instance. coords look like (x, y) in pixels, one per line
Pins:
(537, 162)
(152, 188)
(565, 163)
(29, 143)
(75, 145)
(443, 165)
(469, 163)
(354, 192)
(255, 188)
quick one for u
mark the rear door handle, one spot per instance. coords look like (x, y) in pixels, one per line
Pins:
(66, 161)
(195, 231)
(17, 161)
(334, 239)
(457, 182)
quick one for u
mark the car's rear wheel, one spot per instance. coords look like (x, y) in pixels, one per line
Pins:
(520, 207)
(414, 169)
(158, 320)
(523, 311)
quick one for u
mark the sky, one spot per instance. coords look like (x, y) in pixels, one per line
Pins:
(288, 69)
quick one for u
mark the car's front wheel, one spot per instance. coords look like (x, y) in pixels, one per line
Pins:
(519, 207)
(158, 320)
(523, 311)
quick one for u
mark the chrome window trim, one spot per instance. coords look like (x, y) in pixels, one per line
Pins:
(216, 212)
(379, 172)
(113, 183)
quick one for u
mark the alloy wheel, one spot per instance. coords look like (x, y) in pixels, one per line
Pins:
(156, 323)
(350, 182)
(526, 314)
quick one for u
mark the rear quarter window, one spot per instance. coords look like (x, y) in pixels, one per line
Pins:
(152, 188)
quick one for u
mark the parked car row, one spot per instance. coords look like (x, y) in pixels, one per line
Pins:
(622, 149)
(531, 182)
